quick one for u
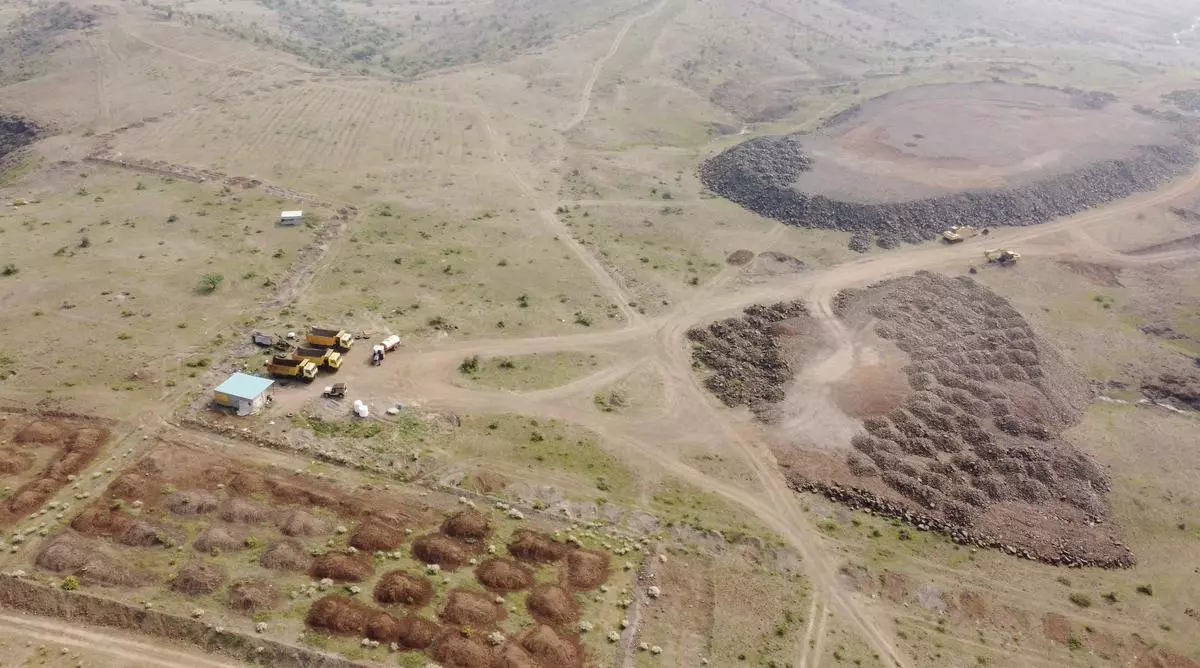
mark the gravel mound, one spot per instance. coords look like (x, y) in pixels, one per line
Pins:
(341, 568)
(587, 569)
(375, 535)
(398, 587)
(503, 575)
(192, 502)
(147, 534)
(553, 605)
(759, 175)
(467, 525)
(70, 555)
(240, 511)
(286, 555)
(198, 578)
(535, 547)
(222, 537)
(302, 523)
(254, 595)
(469, 608)
(444, 551)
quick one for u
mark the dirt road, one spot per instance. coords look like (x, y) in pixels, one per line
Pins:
(102, 647)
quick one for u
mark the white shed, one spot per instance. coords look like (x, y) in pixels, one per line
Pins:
(245, 393)
(291, 217)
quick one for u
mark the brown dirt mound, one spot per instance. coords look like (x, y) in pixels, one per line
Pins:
(550, 649)
(374, 535)
(302, 523)
(191, 502)
(467, 525)
(404, 588)
(740, 257)
(442, 550)
(471, 608)
(553, 605)
(535, 547)
(240, 511)
(486, 482)
(252, 596)
(147, 534)
(504, 575)
(12, 461)
(587, 569)
(102, 520)
(40, 431)
(417, 632)
(383, 628)
(341, 568)
(69, 555)
(512, 655)
(135, 487)
(340, 615)
(198, 578)
(248, 483)
(286, 555)
(452, 650)
(224, 538)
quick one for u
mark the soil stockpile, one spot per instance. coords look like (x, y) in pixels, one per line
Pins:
(12, 461)
(286, 555)
(976, 450)
(744, 356)
(535, 547)
(251, 596)
(469, 608)
(467, 525)
(40, 431)
(439, 549)
(452, 650)
(398, 587)
(376, 535)
(192, 502)
(198, 578)
(98, 520)
(240, 511)
(302, 523)
(221, 538)
(148, 534)
(587, 569)
(553, 605)
(503, 575)
(908, 165)
(340, 615)
(512, 655)
(341, 568)
(69, 555)
(550, 649)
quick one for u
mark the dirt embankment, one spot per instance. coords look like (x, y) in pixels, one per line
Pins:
(759, 175)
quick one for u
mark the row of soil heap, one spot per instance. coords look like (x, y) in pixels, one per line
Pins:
(975, 450)
(759, 174)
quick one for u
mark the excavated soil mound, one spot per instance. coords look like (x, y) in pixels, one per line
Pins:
(340, 615)
(222, 537)
(512, 655)
(240, 511)
(454, 651)
(551, 649)
(100, 520)
(907, 165)
(302, 523)
(383, 628)
(12, 461)
(248, 483)
(740, 257)
(398, 587)
(587, 569)
(504, 575)
(376, 535)
(286, 555)
(417, 632)
(976, 450)
(251, 596)
(147, 534)
(441, 550)
(535, 547)
(553, 605)
(132, 487)
(198, 578)
(467, 525)
(469, 608)
(341, 568)
(68, 555)
(744, 356)
(191, 502)
(41, 432)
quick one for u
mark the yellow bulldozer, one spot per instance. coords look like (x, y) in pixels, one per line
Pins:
(959, 232)
(1002, 256)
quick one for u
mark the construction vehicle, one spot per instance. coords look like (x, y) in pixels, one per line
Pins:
(330, 338)
(1001, 256)
(322, 357)
(335, 391)
(290, 367)
(959, 232)
(377, 352)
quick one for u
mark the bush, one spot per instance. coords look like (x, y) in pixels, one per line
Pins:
(9, 270)
(71, 583)
(1081, 600)
(1146, 589)
(470, 364)
(210, 282)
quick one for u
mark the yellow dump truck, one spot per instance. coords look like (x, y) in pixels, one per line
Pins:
(322, 357)
(1001, 256)
(289, 367)
(959, 232)
(330, 338)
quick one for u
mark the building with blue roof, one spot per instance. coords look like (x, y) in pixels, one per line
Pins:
(244, 393)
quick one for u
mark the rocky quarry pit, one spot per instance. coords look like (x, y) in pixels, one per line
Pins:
(905, 166)
(976, 448)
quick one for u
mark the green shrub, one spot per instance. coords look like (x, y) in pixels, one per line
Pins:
(209, 283)
(71, 583)
(1081, 600)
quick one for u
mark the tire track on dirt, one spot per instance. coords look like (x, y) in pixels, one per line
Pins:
(108, 643)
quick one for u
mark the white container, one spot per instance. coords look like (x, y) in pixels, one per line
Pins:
(389, 344)
(362, 410)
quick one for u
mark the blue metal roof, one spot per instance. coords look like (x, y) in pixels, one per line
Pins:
(244, 386)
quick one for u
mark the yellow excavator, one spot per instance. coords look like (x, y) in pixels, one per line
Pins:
(1002, 256)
